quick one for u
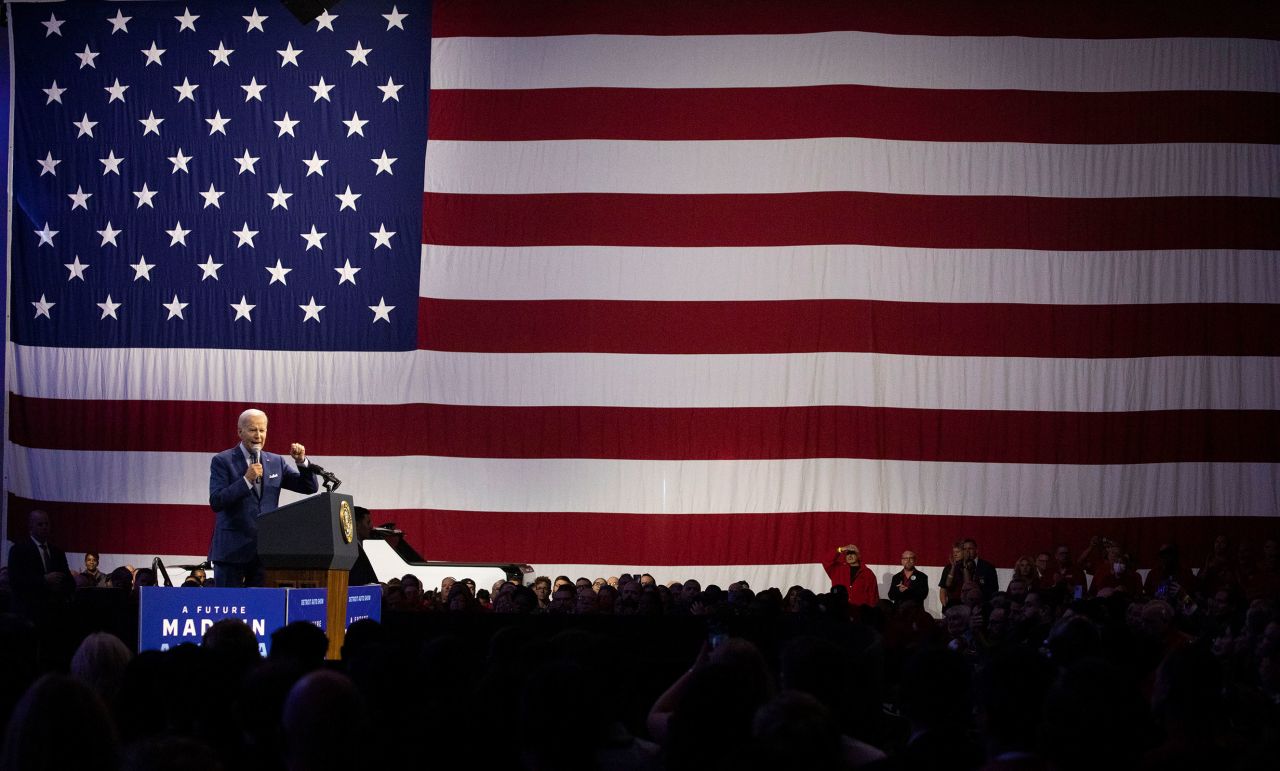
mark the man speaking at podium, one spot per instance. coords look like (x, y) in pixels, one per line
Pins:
(244, 484)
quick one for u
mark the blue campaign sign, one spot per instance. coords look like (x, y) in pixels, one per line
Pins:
(364, 602)
(171, 616)
(309, 605)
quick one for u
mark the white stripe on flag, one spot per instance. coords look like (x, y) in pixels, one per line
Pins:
(868, 58)
(853, 163)
(641, 380)
(840, 271)
(698, 487)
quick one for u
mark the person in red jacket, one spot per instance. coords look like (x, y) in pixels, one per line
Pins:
(846, 569)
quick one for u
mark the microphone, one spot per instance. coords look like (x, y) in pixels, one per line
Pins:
(331, 482)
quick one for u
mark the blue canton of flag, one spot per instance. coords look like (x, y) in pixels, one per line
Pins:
(207, 175)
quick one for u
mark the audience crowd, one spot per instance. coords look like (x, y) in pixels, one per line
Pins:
(1075, 662)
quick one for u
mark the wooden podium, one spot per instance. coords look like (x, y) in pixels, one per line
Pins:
(311, 544)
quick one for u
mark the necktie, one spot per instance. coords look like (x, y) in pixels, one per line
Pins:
(44, 556)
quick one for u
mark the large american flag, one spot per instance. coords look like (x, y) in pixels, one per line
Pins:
(706, 288)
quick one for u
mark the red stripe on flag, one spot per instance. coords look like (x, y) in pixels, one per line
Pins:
(120, 528)
(854, 111)
(1084, 19)
(644, 540)
(805, 326)
(960, 222)
(672, 434)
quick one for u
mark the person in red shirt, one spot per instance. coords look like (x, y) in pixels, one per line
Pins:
(846, 569)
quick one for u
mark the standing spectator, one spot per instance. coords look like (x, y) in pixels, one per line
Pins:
(981, 572)
(1069, 577)
(846, 569)
(542, 590)
(1169, 580)
(38, 570)
(91, 576)
(952, 577)
(1217, 572)
(1025, 570)
(1119, 578)
(908, 583)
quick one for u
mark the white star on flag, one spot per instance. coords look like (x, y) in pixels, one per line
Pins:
(286, 125)
(395, 18)
(255, 21)
(144, 196)
(253, 89)
(313, 239)
(209, 268)
(187, 90)
(325, 21)
(382, 311)
(46, 235)
(76, 268)
(217, 124)
(243, 309)
(383, 236)
(178, 235)
(109, 235)
(359, 54)
(289, 55)
(179, 162)
(109, 308)
(111, 164)
(280, 199)
(315, 165)
(246, 162)
(86, 126)
(211, 197)
(321, 90)
(347, 273)
(151, 124)
(175, 308)
(244, 236)
(49, 165)
(153, 55)
(116, 91)
(86, 58)
(384, 164)
(54, 93)
(42, 307)
(391, 90)
(79, 199)
(278, 273)
(53, 26)
(141, 269)
(221, 55)
(355, 125)
(311, 311)
(120, 22)
(186, 20)
(348, 199)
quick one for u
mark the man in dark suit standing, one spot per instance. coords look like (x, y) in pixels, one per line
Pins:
(245, 483)
(37, 568)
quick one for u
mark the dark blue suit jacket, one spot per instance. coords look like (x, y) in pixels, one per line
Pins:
(235, 534)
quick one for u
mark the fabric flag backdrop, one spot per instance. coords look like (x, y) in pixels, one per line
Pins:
(706, 288)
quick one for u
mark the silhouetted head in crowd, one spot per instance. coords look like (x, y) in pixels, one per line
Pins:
(446, 584)
(647, 580)
(1095, 700)
(411, 586)
(100, 663)
(301, 642)
(795, 732)
(121, 578)
(233, 645)
(586, 601)
(323, 716)
(563, 599)
(710, 727)
(59, 723)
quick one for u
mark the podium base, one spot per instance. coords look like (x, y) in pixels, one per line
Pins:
(334, 582)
